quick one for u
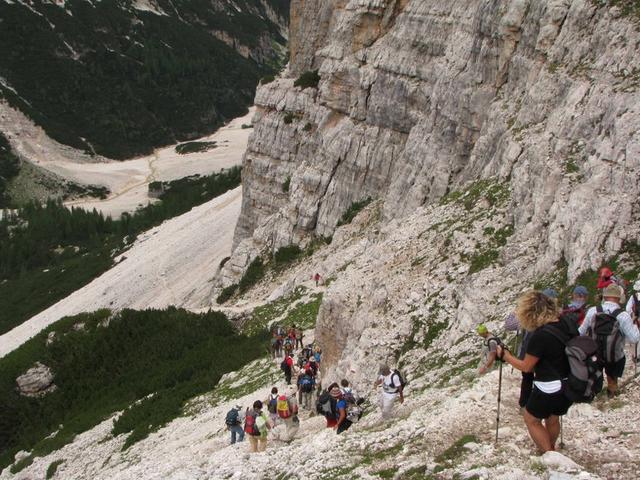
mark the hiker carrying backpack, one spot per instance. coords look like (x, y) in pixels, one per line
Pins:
(307, 383)
(282, 407)
(272, 404)
(233, 418)
(585, 378)
(251, 424)
(326, 405)
(606, 333)
(391, 386)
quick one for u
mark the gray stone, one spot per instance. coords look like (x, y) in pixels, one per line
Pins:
(36, 382)
(421, 97)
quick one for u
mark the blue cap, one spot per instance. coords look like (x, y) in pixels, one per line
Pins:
(550, 292)
(580, 290)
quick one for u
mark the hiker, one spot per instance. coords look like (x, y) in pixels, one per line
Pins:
(271, 403)
(312, 365)
(234, 423)
(287, 408)
(316, 278)
(545, 356)
(306, 386)
(609, 325)
(605, 278)
(276, 345)
(489, 349)
(288, 345)
(392, 390)
(633, 309)
(327, 405)
(577, 308)
(307, 352)
(511, 323)
(287, 367)
(317, 355)
(257, 425)
(354, 402)
(299, 334)
(633, 305)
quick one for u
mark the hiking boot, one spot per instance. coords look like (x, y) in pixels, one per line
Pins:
(610, 394)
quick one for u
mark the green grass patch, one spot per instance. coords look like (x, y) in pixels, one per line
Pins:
(195, 147)
(147, 363)
(53, 467)
(629, 8)
(290, 310)
(253, 275)
(227, 293)
(267, 79)
(286, 255)
(456, 451)
(496, 193)
(353, 210)
(286, 185)
(308, 79)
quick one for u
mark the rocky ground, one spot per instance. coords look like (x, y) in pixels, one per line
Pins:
(411, 297)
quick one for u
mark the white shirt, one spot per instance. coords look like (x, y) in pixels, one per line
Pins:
(390, 383)
(626, 325)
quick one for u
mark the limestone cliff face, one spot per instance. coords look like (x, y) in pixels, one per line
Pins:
(419, 97)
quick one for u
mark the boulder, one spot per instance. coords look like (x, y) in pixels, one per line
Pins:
(36, 382)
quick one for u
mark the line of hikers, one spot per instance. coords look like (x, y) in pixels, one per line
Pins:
(285, 341)
(339, 404)
(563, 351)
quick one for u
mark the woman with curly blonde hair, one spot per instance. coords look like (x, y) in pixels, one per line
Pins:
(545, 357)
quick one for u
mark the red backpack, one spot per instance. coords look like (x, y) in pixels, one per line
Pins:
(250, 425)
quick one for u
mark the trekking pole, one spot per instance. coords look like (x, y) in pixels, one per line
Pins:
(499, 393)
(561, 434)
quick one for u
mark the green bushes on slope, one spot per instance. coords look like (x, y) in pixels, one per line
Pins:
(48, 251)
(162, 356)
(9, 168)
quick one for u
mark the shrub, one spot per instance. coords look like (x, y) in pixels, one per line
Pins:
(267, 79)
(195, 147)
(286, 184)
(308, 126)
(51, 471)
(288, 118)
(253, 275)
(286, 255)
(353, 210)
(308, 79)
(227, 293)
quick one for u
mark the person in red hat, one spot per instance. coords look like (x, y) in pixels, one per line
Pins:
(605, 278)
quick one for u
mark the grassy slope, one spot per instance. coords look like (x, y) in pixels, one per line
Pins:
(111, 362)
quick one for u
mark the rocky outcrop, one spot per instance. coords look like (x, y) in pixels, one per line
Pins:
(418, 98)
(36, 382)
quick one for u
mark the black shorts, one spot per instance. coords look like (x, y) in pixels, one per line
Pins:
(542, 405)
(615, 369)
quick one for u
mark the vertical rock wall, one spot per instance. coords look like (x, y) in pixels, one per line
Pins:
(419, 97)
